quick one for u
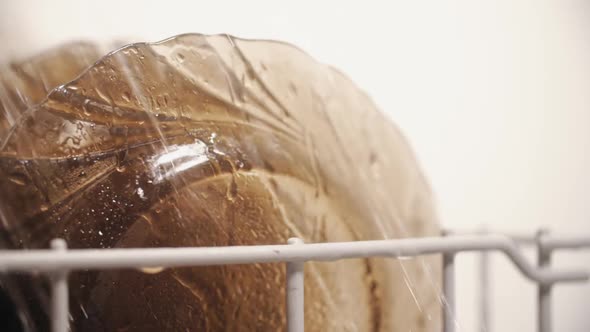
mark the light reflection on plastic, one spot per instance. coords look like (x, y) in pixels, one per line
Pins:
(179, 158)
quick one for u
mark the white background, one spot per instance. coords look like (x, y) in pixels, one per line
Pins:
(493, 95)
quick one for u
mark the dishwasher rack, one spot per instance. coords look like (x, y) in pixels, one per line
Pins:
(58, 261)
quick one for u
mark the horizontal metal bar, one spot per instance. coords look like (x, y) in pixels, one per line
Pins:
(80, 259)
(554, 243)
(549, 242)
(521, 239)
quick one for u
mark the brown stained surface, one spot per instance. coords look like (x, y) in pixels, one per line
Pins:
(25, 83)
(216, 141)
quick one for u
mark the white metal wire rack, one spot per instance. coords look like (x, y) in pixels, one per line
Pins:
(58, 261)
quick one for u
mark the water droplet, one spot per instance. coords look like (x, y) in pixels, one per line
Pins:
(44, 207)
(104, 96)
(212, 138)
(141, 194)
(85, 107)
(84, 311)
(18, 178)
(232, 190)
(126, 97)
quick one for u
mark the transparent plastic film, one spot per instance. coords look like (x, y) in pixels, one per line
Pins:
(210, 141)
